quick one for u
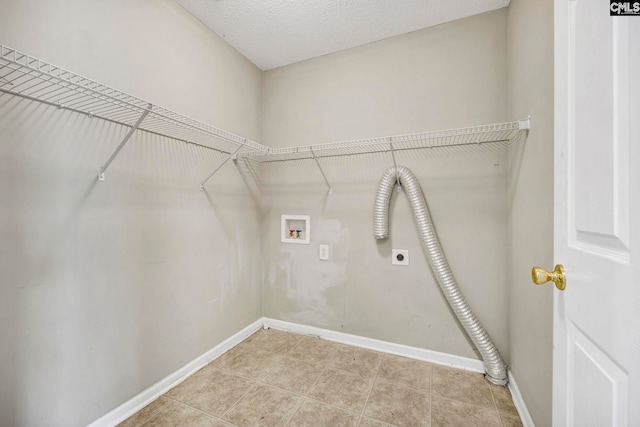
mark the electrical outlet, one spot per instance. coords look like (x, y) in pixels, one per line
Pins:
(400, 257)
(323, 252)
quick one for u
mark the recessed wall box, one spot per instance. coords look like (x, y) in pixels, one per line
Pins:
(295, 229)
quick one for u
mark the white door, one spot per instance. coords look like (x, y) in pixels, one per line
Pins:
(596, 362)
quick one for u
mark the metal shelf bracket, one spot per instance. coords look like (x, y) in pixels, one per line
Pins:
(321, 171)
(393, 155)
(124, 141)
(231, 156)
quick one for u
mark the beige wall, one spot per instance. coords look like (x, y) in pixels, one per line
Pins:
(107, 287)
(447, 76)
(443, 77)
(530, 47)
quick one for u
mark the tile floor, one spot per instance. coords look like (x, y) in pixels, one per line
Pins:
(276, 378)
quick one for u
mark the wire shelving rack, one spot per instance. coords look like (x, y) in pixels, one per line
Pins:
(473, 135)
(32, 78)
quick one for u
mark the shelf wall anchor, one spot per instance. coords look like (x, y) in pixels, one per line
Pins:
(124, 141)
(321, 171)
(231, 156)
(393, 155)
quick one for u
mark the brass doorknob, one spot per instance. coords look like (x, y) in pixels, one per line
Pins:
(557, 276)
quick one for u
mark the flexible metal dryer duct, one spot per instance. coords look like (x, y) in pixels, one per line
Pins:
(495, 368)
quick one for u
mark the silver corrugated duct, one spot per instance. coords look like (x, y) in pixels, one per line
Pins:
(495, 368)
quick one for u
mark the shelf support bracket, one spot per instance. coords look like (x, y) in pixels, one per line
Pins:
(393, 155)
(124, 141)
(321, 171)
(231, 156)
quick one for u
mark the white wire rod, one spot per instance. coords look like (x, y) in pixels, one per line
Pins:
(167, 128)
(78, 83)
(117, 107)
(6, 77)
(6, 65)
(221, 134)
(104, 109)
(321, 171)
(38, 86)
(449, 137)
(63, 85)
(124, 141)
(68, 99)
(56, 90)
(361, 153)
(124, 115)
(89, 104)
(227, 137)
(176, 132)
(393, 155)
(117, 104)
(219, 167)
(91, 115)
(19, 86)
(36, 74)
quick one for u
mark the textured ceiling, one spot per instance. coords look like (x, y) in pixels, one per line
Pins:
(272, 33)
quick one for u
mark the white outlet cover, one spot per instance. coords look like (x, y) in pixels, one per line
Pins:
(405, 256)
(323, 252)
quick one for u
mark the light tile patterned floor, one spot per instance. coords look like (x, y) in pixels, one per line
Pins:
(276, 378)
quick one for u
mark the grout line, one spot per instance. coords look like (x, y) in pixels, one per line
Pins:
(373, 382)
(431, 396)
(357, 414)
(466, 403)
(495, 405)
(258, 381)
(192, 407)
(236, 402)
(295, 410)
(219, 418)
(306, 394)
(419, 390)
(146, 420)
(328, 366)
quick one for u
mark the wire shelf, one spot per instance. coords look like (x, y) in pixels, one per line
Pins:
(474, 135)
(29, 77)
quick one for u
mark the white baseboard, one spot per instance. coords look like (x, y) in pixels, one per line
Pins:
(459, 362)
(518, 401)
(147, 396)
(406, 351)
